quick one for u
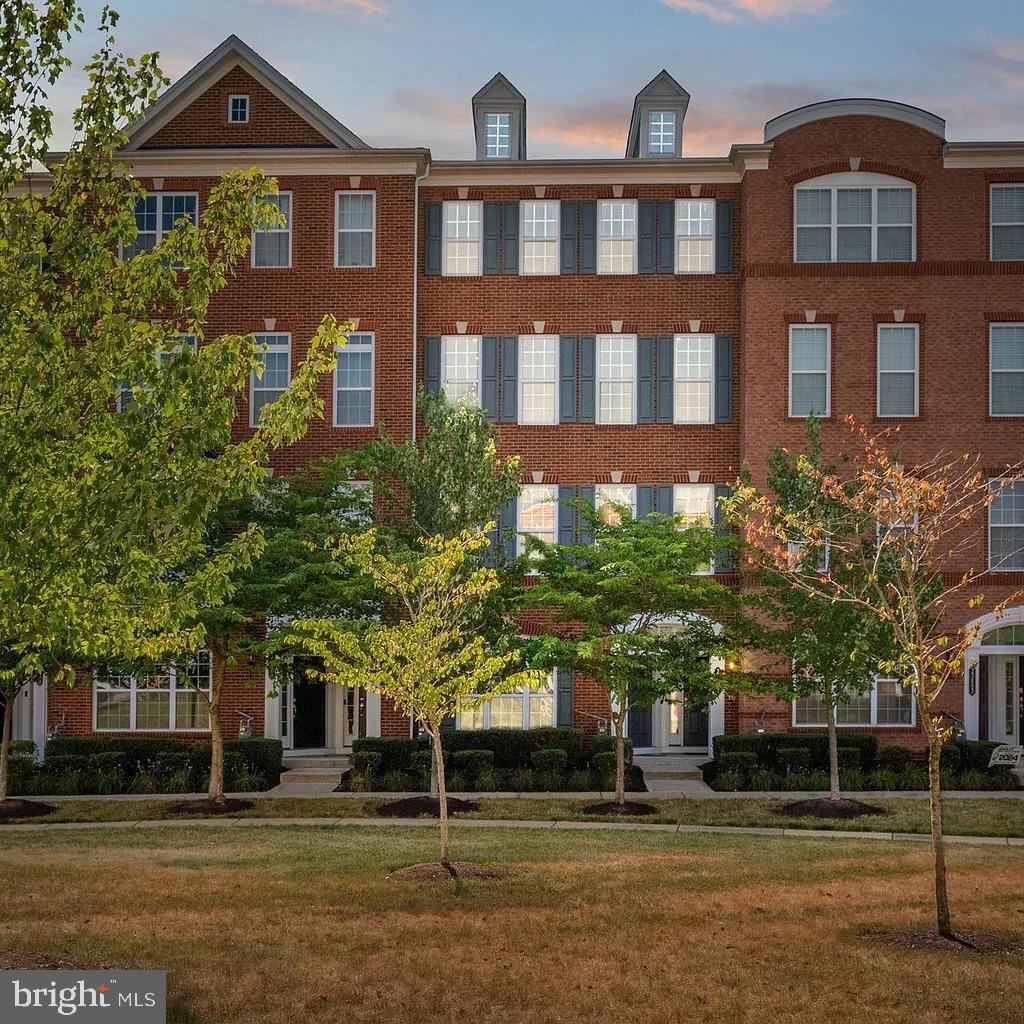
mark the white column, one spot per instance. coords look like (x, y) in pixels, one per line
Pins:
(716, 721)
(372, 713)
(972, 702)
(271, 710)
(39, 711)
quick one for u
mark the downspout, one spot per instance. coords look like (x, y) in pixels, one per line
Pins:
(415, 284)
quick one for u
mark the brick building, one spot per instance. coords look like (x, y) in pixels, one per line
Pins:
(639, 327)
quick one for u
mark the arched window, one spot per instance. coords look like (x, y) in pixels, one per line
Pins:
(854, 217)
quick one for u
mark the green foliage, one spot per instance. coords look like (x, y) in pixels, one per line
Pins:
(763, 780)
(394, 782)
(397, 754)
(488, 781)
(976, 754)
(523, 780)
(366, 762)
(603, 761)
(23, 748)
(788, 759)
(472, 762)
(513, 748)
(765, 746)
(741, 761)
(850, 757)
(602, 742)
(893, 758)
(730, 781)
(550, 760)
(950, 758)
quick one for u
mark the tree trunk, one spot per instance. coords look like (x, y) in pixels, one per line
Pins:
(216, 792)
(833, 746)
(938, 841)
(442, 794)
(5, 743)
(620, 759)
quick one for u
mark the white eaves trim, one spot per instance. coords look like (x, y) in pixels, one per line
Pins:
(851, 108)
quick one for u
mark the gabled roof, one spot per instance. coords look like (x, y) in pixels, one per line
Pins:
(231, 53)
(501, 89)
(499, 95)
(662, 90)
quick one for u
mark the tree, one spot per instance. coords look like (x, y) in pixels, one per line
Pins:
(432, 661)
(615, 598)
(117, 432)
(902, 536)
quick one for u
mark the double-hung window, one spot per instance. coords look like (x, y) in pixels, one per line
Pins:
(610, 499)
(460, 368)
(887, 702)
(521, 709)
(661, 133)
(156, 214)
(538, 378)
(498, 136)
(272, 244)
(355, 235)
(694, 366)
(897, 369)
(1006, 526)
(170, 699)
(539, 237)
(536, 513)
(695, 236)
(353, 382)
(810, 370)
(616, 236)
(462, 253)
(616, 378)
(694, 505)
(1006, 369)
(1007, 222)
(274, 358)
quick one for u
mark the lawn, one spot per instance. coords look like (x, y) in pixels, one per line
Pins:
(293, 923)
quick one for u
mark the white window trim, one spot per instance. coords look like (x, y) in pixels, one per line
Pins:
(878, 374)
(874, 723)
(253, 388)
(828, 371)
(676, 236)
(527, 695)
(710, 571)
(160, 233)
(520, 544)
(675, 132)
(675, 379)
(557, 203)
(355, 231)
(991, 223)
(248, 107)
(992, 372)
(988, 559)
(597, 382)
(632, 488)
(479, 363)
(635, 239)
(445, 272)
(275, 231)
(372, 346)
(172, 674)
(521, 382)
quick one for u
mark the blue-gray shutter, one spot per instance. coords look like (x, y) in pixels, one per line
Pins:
(645, 236)
(666, 379)
(492, 232)
(565, 686)
(510, 238)
(489, 377)
(667, 236)
(588, 238)
(665, 503)
(509, 378)
(723, 236)
(567, 378)
(432, 365)
(448, 724)
(723, 378)
(645, 380)
(585, 535)
(723, 559)
(588, 378)
(432, 248)
(644, 500)
(566, 515)
(507, 527)
(567, 242)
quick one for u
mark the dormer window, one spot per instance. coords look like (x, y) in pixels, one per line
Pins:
(238, 110)
(661, 138)
(498, 128)
(499, 121)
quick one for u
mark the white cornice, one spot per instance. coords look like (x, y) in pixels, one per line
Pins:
(205, 163)
(962, 155)
(855, 107)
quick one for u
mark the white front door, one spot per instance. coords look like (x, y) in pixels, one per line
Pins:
(1004, 699)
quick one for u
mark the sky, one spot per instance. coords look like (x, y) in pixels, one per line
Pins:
(401, 72)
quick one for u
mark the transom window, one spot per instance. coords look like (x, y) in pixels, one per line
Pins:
(462, 252)
(538, 378)
(539, 237)
(356, 227)
(616, 237)
(353, 382)
(536, 513)
(272, 245)
(854, 218)
(888, 702)
(694, 505)
(521, 709)
(608, 496)
(694, 365)
(616, 378)
(1004, 636)
(460, 368)
(1006, 369)
(1007, 222)
(156, 214)
(695, 236)
(498, 135)
(661, 138)
(171, 699)
(238, 109)
(275, 359)
(1006, 526)
(810, 358)
(897, 369)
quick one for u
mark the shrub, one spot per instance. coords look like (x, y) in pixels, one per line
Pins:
(741, 761)
(109, 782)
(599, 744)
(603, 762)
(817, 781)
(22, 748)
(975, 754)
(764, 746)
(885, 778)
(512, 747)
(472, 762)
(849, 757)
(65, 764)
(523, 780)
(394, 782)
(246, 781)
(395, 752)
(422, 761)
(851, 779)
(787, 759)
(913, 778)
(358, 782)
(366, 762)
(729, 781)
(893, 758)
(578, 781)
(552, 759)
(488, 781)
(176, 762)
(145, 783)
(974, 779)
(950, 758)
(550, 781)
(764, 780)
(456, 782)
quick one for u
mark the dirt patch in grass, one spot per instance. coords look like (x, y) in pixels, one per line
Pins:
(10, 810)
(823, 807)
(209, 807)
(435, 872)
(965, 942)
(630, 808)
(39, 962)
(423, 807)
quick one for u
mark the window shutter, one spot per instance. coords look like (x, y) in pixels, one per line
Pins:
(723, 378)
(448, 724)
(567, 378)
(584, 534)
(645, 235)
(507, 527)
(588, 380)
(489, 377)
(588, 238)
(492, 221)
(432, 365)
(509, 379)
(723, 236)
(644, 500)
(566, 515)
(510, 238)
(666, 379)
(723, 559)
(645, 380)
(667, 236)
(567, 242)
(565, 686)
(432, 250)
(665, 500)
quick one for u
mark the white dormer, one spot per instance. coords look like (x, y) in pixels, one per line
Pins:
(499, 121)
(656, 127)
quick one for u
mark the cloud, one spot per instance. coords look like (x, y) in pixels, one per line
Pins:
(1004, 59)
(763, 10)
(367, 8)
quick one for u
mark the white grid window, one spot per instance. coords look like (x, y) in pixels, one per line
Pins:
(498, 135)
(695, 236)
(356, 218)
(353, 382)
(538, 378)
(173, 346)
(616, 237)
(897, 369)
(608, 496)
(521, 709)
(616, 378)
(1006, 369)
(168, 700)
(1007, 222)
(460, 368)
(661, 137)
(156, 214)
(537, 513)
(267, 387)
(462, 252)
(810, 357)
(539, 237)
(1006, 526)
(694, 366)
(887, 703)
(272, 245)
(694, 504)
(238, 109)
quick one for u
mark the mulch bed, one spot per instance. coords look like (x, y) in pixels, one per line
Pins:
(209, 807)
(423, 807)
(435, 872)
(969, 942)
(823, 807)
(12, 809)
(630, 807)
